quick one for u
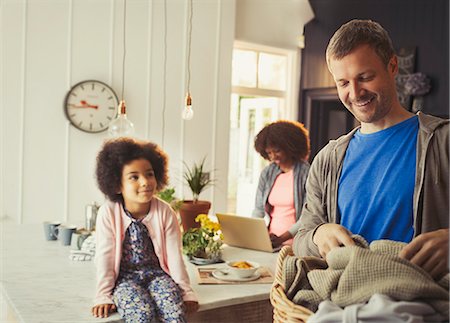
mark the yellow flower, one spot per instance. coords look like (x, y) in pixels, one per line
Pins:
(207, 224)
(206, 239)
(201, 218)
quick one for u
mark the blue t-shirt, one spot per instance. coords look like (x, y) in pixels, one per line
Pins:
(376, 187)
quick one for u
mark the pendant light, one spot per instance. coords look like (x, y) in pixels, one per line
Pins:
(188, 112)
(121, 126)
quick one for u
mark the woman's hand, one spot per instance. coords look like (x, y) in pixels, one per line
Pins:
(278, 240)
(191, 307)
(103, 310)
(429, 251)
(329, 236)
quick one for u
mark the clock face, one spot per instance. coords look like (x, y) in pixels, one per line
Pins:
(91, 105)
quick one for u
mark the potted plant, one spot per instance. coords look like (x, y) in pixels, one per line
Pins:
(203, 244)
(168, 195)
(198, 180)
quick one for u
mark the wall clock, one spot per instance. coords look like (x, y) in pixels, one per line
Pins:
(91, 105)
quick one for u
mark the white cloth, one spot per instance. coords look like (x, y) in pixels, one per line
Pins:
(87, 251)
(380, 308)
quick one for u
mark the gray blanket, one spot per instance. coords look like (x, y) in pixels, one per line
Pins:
(352, 275)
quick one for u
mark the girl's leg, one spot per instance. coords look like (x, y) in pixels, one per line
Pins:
(167, 296)
(133, 302)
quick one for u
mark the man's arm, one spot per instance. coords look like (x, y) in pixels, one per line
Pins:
(314, 212)
(329, 236)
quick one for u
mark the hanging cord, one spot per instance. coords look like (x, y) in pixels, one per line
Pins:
(124, 44)
(165, 76)
(191, 13)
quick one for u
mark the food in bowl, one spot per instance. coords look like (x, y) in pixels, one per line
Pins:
(242, 268)
(241, 264)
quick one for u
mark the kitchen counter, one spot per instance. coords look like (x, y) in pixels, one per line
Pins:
(40, 284)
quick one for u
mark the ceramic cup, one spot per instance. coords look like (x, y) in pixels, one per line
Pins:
(49, 230)
(64, 233)
(78, 238)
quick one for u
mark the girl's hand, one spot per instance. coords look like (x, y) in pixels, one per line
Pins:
(191, 307)
(103, 310)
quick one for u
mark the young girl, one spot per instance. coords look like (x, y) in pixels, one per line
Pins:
(140, 269)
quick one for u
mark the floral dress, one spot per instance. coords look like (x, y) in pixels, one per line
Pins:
(144, 292)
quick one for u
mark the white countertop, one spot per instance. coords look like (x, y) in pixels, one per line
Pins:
(41, 284)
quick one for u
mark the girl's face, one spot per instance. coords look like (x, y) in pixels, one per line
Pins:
(138, 186)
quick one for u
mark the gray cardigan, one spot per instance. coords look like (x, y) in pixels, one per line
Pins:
(266, 181)
(430, 200)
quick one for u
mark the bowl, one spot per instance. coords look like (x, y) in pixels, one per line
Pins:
(242, 268)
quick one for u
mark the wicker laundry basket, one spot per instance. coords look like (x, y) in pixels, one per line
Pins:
(283, 309)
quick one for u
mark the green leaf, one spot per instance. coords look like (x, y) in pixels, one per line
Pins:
(197, 179)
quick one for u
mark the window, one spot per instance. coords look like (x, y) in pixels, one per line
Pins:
(262, 92)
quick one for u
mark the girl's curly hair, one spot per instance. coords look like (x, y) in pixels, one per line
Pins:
(289, 136)
(116, 153)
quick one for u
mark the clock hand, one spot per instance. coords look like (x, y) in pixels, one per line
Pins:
(84, 104)
(74, 106)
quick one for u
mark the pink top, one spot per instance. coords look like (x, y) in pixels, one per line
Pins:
(163, 228)
(281, 197)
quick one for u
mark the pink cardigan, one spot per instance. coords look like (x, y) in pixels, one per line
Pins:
(164, 231)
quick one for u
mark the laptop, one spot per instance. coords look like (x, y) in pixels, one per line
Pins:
(245, 232)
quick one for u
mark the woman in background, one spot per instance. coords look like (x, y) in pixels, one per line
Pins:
(281, 189)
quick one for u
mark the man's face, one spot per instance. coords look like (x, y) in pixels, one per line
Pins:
(365, 85)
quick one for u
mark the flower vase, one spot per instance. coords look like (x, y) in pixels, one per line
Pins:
(189, 211)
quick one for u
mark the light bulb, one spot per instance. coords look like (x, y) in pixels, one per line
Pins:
(188, 113)
(121, 126)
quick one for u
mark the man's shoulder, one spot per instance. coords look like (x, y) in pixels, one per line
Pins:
(430, 123)
(338, 143)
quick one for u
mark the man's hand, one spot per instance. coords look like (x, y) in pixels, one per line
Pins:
(329, 236)
(278, 240)
(190, 307)
(429, 251)
(103, 310)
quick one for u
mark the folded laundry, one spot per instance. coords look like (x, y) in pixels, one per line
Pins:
(87, 251)
(380, 308)
(76, 255)
(353, 274)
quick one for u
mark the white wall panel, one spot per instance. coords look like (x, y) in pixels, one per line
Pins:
(220, 148)
(67, 41)
(91, 44)
(43, 115)
(198, 132)
(12, 69)
(165, 117)
(136, 63)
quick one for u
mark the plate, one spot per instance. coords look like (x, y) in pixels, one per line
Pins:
(203, 261)
(219, 274)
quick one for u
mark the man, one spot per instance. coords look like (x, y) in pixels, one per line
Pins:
(387, 179)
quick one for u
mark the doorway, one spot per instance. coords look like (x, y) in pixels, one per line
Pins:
(262, 92)
(325, 117)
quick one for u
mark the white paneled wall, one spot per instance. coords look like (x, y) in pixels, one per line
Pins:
(47, 46)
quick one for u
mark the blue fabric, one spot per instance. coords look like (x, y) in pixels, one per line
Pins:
(376, 186)
(144, 292)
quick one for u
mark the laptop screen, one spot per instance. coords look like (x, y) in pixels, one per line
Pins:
(245, 232)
